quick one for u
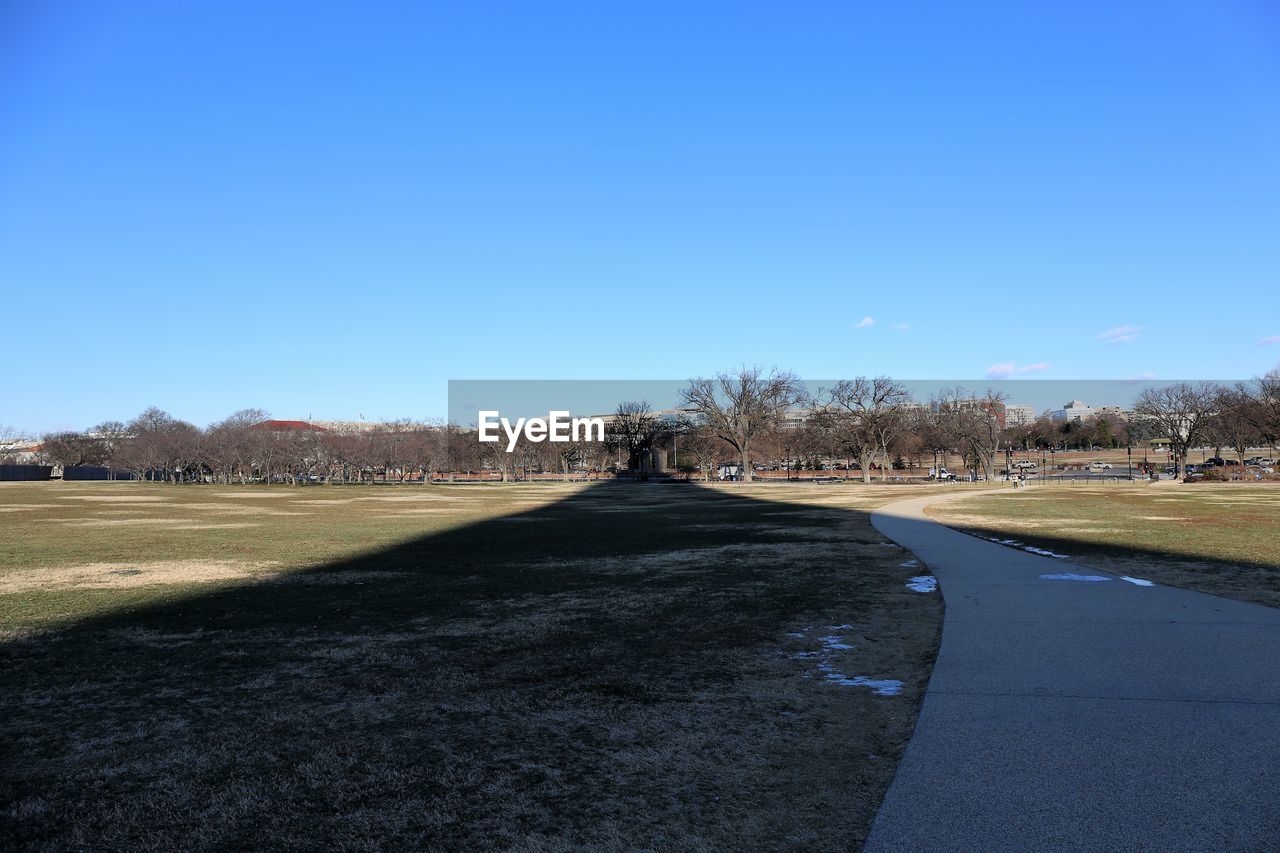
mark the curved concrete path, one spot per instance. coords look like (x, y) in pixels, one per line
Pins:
(1068, 715)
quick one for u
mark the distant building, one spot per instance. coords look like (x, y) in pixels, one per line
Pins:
(1076, 410)
(796, 418)
(287, 426)
(346, 426)
(680, 415)
(20, 451)
(1115, 413)
(1019, 416)
(994, 408)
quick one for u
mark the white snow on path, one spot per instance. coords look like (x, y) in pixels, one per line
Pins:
(1072, 576)
(1043, 553)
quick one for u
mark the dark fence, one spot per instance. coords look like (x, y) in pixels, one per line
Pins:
(96, 472)
(25, 472)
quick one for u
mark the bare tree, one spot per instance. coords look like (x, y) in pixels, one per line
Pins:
(494, 454)
(866, 415)
(632, 431)
(230, 445)
(705, 447)
(71, 449)
(463, 450)
(974, 422)
(1265, 411)
(425, 449)
(1181, 411)
(9, 438)
(933, 431)
(1235, 423)
(154, 446)
(738, 407)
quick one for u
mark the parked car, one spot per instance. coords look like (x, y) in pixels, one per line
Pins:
(1099, 466)
(1025, 465)
(940, 474)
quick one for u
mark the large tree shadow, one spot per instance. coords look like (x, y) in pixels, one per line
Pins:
(632, 666)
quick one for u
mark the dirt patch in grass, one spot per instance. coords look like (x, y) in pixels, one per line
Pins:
(122, 522)
(117, 499)
(720, 678)
(127, 575)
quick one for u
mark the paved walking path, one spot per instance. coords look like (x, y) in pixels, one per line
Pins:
(1083, 715)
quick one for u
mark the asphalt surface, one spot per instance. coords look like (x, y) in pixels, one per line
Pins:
(1073, 715)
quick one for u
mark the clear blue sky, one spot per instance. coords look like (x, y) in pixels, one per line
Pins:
(331, 209)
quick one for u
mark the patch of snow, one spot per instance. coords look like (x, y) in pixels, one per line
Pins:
(1014, 543)
(1043, 553)
(924, 583)
(879, 686)
(909, 564)
(1137, 581)
(1072, 576)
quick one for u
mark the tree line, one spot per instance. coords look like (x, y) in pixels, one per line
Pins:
(745, 418)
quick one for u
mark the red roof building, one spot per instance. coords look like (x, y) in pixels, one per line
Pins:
(288, 426)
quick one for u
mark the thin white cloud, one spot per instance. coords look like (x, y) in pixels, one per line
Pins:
(1121, 334)
(864, 323)
(1142, 377)
(1005, 369)
(901, 327)
(1269, 341)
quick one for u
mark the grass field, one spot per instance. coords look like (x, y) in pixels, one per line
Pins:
(1217, 538)
(532, 667)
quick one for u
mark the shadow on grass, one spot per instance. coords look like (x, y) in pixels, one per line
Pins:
(632, 666)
